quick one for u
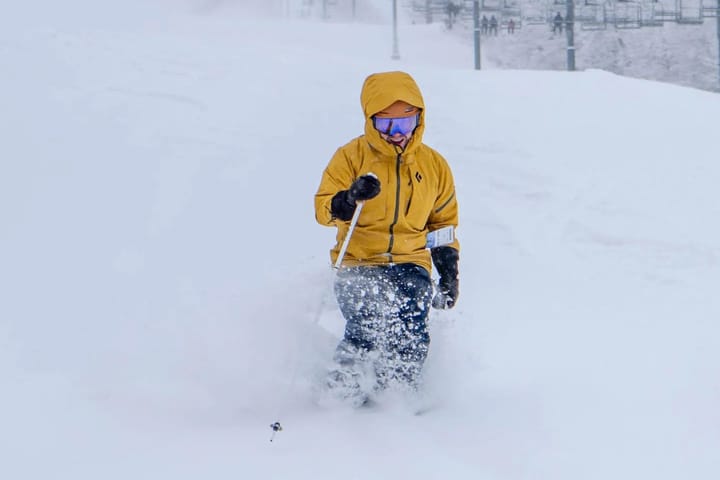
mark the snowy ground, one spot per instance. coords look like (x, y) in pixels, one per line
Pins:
(161, 271)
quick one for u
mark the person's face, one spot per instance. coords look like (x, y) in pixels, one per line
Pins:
(397, 132)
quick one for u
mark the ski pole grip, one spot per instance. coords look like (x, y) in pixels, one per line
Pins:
(353, 222)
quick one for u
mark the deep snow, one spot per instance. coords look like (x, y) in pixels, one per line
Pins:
(163, 277)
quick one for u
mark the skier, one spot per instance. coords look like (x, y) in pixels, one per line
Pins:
(493, 25)
(557, 23)
(383, 287)
(452, 10)
(484, 22)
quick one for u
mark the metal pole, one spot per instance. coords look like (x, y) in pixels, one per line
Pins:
(396, 49)
(717, 15)
(346, 241)
(570, 31)
(428, 12)
(476, 32)
(354, 10)
(324, 14)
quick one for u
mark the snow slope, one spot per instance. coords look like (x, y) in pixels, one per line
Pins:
(163, 279)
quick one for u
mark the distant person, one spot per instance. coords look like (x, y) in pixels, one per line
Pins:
(484, 25)
(558, 23)
(452, 10)
(493, 25)
(449, 9)
(456, 9)
(511, 27)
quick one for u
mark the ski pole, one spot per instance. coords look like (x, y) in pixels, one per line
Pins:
(346, 242)
(276, 427)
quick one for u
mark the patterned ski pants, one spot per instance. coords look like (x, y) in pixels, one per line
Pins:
(386, 309)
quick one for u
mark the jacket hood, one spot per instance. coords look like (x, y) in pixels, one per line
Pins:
(381, 90)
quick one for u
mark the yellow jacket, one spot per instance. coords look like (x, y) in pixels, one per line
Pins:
(417, 192)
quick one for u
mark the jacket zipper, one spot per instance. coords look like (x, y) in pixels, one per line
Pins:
(397, 205)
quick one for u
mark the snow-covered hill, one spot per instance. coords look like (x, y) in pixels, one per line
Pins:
(162, 277)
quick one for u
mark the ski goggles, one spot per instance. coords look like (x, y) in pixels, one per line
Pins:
(391, 126)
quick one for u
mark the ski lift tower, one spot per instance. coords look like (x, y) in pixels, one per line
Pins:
(717, 19)
(396, 48)
(476, 32)
(570, 32)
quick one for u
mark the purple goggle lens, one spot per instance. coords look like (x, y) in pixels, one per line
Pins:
(391, 126)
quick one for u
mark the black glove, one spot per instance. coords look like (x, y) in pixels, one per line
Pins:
(446, 263)
(344, 202)
(364, 188)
